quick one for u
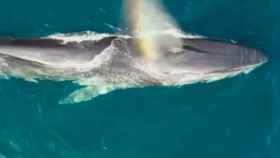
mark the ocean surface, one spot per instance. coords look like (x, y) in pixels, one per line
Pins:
(233, 118)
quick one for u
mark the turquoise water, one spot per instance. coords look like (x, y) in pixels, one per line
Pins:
(233, 118)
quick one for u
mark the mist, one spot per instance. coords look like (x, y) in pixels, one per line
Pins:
(148, 21)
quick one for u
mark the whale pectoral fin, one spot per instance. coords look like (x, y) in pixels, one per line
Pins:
(78, 96)
(86, 94)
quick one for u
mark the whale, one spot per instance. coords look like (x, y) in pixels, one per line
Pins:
(102, 63)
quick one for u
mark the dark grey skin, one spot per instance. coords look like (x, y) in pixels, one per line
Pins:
(115, 62)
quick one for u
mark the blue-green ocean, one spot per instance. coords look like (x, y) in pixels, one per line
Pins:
(233, 118)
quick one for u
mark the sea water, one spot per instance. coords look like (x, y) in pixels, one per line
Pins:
(233, 118)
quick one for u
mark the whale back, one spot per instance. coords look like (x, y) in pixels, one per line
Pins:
(53, 51)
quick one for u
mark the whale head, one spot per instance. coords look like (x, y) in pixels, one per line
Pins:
(204, 60)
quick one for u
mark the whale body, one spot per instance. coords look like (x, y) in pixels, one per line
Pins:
(110, 62)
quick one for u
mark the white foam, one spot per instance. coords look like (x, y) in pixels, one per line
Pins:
(79, 37)
(94, 36)
(179, 34)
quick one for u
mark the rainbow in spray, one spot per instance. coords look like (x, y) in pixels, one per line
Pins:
(148, 20)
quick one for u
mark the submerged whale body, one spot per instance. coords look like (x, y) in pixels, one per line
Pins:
(104, 63)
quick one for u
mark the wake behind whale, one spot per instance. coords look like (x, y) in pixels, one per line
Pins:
(101, 63)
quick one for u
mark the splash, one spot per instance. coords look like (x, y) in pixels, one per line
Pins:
(148, 19)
